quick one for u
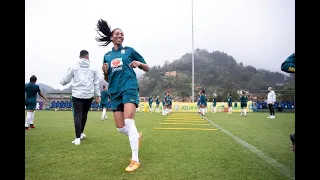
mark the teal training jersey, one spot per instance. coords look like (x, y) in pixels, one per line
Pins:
(104, 97)
(120, 75)
(214, 102)
(289, 65)
(202, 100)
(31, 90)
(167, 100)
(243, 99)
(157, 101)
(150, 100)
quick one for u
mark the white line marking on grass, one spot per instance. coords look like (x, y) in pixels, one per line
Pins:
(265, 157)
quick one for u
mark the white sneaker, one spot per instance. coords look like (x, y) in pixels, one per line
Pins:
(82, 136)
(269, 117)
(106, 118)
(272, 117)
(76, 141)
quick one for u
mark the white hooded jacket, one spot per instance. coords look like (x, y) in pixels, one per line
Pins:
(85, 80)
(271, 97)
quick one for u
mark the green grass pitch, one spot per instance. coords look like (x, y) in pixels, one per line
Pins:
(164, 154)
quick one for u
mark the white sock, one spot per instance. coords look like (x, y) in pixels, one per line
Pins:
(245, 112)
(241, 112)
(32, 117)
(231, 109)
(133, 138)
(123, 130)
(214, 109)
(103, 113)
(28, 119)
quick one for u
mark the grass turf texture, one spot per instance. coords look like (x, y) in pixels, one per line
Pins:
(164, 154)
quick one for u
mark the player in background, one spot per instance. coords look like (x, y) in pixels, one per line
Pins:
(118, 70)
(214, 104)
(157, 104)
(150, 100)
(198, 105)
(271, 99)
(229, 100)
(167, 103)
(202, 102)
(206, 107)
(104, 102)
(164, 105)
(243, 104)
(170, 104)
(32, 90)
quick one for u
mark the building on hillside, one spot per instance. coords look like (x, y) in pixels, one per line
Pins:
(171, 73)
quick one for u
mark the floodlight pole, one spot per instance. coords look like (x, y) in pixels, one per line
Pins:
(192, 53)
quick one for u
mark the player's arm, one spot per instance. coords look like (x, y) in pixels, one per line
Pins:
(96, 86)
(138, 61)
(289, 64)
(41, 94)
(67, 78)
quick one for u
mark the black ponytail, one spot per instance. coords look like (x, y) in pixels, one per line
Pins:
(105, 29)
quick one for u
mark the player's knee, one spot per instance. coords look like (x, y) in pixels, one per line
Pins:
(129, 110)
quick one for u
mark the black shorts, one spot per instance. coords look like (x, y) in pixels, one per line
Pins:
(243, 106)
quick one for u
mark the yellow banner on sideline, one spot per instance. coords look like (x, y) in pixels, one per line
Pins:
(192, 107)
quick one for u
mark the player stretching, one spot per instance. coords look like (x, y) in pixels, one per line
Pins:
(150, 100)
(229, 104)
(214, 104)
(31, 89)
(157, 104)
(123, 87)
(202, 102)
(104, 102)
(243, 104)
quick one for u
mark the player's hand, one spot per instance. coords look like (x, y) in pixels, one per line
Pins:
(135, 64)
(105, 67)
(98, 99)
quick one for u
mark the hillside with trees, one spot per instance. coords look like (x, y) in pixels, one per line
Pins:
(216, 72)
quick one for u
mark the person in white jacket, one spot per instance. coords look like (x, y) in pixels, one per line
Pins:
(85, 85)
(270, 101)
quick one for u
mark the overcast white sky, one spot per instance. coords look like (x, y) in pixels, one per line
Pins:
(260, 33)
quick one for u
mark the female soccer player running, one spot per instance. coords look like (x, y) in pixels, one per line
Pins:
(118, 71)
